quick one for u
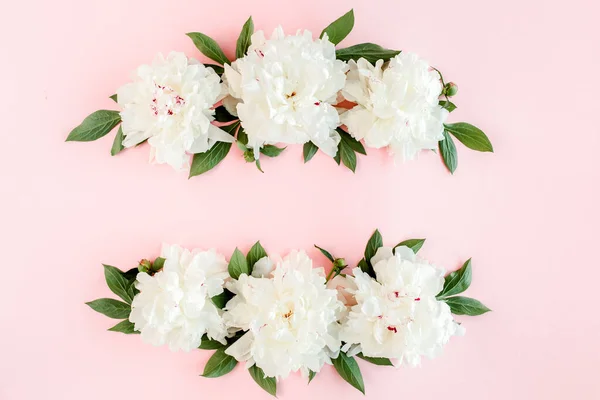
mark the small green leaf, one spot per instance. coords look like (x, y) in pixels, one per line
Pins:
(376, 360)
(114, 98)
(117, 283)
(465, 306)
(111, 308)
(351, 142)
(414, 244)
(340, 28)
(203, 162)
(222, 115)
(309, 150)
(208, 47)
(124, 326)
(337, 157)
(366, 268)
(256, 253)
(158, 264)
(219, 364)
(243, 41)
(375, 242)
(117, 145)
(221, 300)
(258, 166)
(471, 136)
(238, 264)
(217, 68)
(369, 51)
(326, 253)
(210, 344)
(448, 152)
(448, 105)
(271, 151)
(95, 126)
(242, 137)
(267, 383)
(311, 375)
(347, 155)
(348, 369)
(458, 281)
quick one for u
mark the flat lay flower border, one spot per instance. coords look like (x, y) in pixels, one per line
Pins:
(280, 315)
(285, 90)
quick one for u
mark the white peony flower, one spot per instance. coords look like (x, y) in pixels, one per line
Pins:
(170, 104)
(284, 88)
(397, 105)
(173, 307)
(397, 315)
(290, 318)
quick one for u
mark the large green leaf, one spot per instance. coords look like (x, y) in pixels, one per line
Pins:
(376, 360)
(309, 150)
(124, 326)
(204, 162)
(348, 369)
(209, 344)
(267, 383)
(219, 364)
(470, 135)
(448, 152)
(111, 308)
(243, 41)
(448, 105)
(458, 281)
(340, 28)
(271, 151)
(347, 155)
(209, 47)
(326, 253)
(221, 300)
(369, 51)
(351, 142)
(117, 283)
(95, 126)
(414, 244)
(256, 253)
(375, 242)
(465, 306)
(238, 264)
(117, 145)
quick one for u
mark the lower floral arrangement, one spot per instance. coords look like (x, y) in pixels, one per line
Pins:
(280, 315)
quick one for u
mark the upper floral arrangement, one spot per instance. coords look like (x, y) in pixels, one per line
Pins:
(280, 315)
(282, 90)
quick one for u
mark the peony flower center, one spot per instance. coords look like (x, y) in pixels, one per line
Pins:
(166, 101)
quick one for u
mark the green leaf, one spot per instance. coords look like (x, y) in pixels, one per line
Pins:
(311, 375)
(326, 253)
(414, 244)
(369, 51)
(219, 364)
(242, 136)
(222, 115)
(256, 253)
(95, 126)
(267, 383)
(208, 47)
(448, 105)
(458, 281)
(203, 162)
(375, 242)
(271, 151)
(351, 142)
(470, 136)
(243, 41)
(465, 306)
(117, 283)
(158, 263)
(366, 268)
(238, 264)
(114, 98)
(221, 300)
(217, 68)
(337, 157)
(111, 308)
(210, 344)
(340, 28)
(124, 326)
(258, 166)
(117, 145)
(347, 155)
(309, 150)
(376, 360)
(348, 369)
(448, 152)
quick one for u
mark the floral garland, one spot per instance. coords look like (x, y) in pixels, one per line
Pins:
(281, 315)
(290, 89)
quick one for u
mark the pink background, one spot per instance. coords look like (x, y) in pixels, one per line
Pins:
(528, 214)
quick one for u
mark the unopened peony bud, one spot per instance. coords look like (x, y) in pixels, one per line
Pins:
(450, 89)
(144, 266)
(249, 156)
(339, 263)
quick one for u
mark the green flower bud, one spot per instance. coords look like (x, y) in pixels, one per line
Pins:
(450, 89)
(339, 263)
(249, 156)
(145, 266)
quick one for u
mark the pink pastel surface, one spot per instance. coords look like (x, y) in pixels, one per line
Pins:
(527, 214)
